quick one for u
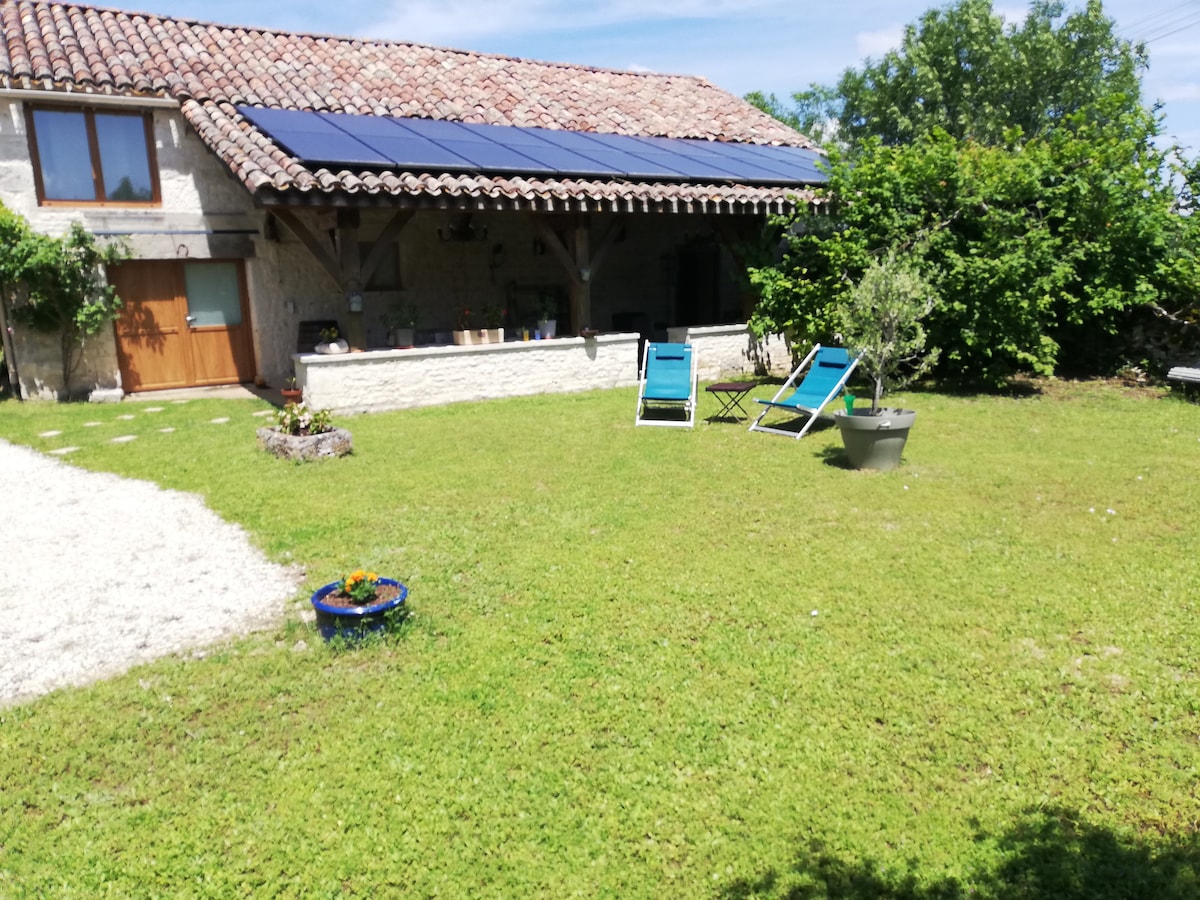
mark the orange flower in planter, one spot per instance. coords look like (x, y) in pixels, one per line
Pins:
(360, 586)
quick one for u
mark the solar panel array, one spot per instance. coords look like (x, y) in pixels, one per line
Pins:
(440, 146)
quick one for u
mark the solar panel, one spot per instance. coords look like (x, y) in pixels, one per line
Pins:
(552, 158)
(489, 156)
(797, 157)
(437, 145)
(400, 146)
(439, 130)
(750, 158)
(309, 137)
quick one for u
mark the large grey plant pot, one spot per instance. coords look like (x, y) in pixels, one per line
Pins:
(875, 441)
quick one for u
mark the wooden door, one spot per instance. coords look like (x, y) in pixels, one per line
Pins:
(153, 349)
(182, 324)
(214, 294)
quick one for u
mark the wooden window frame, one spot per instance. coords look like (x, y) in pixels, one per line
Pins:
(89, 118)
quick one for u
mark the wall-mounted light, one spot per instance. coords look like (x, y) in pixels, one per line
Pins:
(585, 274)
(354, 301)
(461, 230)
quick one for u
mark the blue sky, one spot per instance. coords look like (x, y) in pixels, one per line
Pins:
(740, 45)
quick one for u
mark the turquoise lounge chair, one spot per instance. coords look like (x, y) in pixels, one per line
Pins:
(825, 379)
(668, 383)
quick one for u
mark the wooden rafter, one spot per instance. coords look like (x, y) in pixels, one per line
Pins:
(581, 264)
(389, 235)
(323, 251)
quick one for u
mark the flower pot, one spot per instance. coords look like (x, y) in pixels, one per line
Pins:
(547, 328)
(353, 622)
(292, 395)
(402, 338)
(303, 447)
(337, 345)
(494, 336)
(875, 441)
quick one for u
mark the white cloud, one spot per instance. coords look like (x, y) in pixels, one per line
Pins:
(877, 43)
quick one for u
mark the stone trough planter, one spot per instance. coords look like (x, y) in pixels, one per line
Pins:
(300, 447)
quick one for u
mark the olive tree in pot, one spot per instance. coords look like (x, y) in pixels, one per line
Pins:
(881, 317)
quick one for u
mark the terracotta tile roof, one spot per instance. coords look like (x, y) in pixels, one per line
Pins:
(211, 68)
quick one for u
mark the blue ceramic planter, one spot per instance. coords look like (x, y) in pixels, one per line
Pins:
(352, 622)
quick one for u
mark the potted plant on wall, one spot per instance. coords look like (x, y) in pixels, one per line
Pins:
(401, 321)
(881, 318)
(547, 324)
(493, 319)
(463, 332)
(331, 343)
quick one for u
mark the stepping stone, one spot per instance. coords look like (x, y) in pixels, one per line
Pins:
(179, 402)
(154, 409)
(126, 418)
(220, 421)
(166, 430)
(124, 439)
(50, 434)
(91, 424)
(63, 451)
(263, 412)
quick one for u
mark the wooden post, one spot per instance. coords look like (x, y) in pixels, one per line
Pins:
(579, 262)
(340, 256)
(346, 241)
(581, 284)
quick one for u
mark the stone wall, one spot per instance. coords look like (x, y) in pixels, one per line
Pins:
(432, 376)
(39, 367)
(731, 351)
(205, 214)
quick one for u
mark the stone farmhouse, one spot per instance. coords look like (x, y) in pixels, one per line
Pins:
(270, 185)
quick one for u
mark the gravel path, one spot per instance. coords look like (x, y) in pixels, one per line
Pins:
(99, 572)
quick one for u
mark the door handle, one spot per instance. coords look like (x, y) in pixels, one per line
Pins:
(191, 320)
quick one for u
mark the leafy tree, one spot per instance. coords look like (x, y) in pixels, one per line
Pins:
(1023, 242)
(55, 284)
(815, 111)
(1022, 164)
(881, 319)
(961, 69)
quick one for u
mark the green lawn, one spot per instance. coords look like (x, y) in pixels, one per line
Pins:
(656, 663)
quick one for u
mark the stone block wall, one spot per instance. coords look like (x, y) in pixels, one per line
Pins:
(432, 376)
(731, 351)
(205, 214)
(39, 367)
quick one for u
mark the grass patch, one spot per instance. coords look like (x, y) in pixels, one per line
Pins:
(613, 682)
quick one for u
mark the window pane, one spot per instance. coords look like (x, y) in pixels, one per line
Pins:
(63, 150)
(123, 158)
(212, 294)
